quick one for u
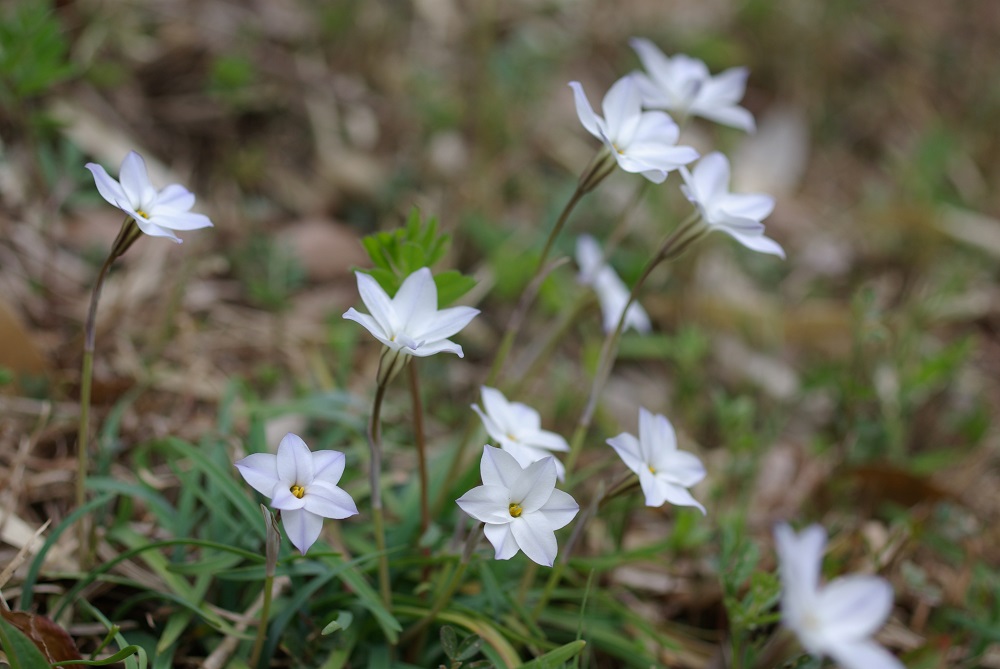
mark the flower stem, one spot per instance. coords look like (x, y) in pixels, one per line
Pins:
(418, 429)
(375, 446)
(270, 561)
(674, 245)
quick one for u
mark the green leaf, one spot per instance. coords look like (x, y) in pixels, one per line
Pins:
(449, 642)
(128, 651)
(556, 658)
(452, 285)
(21, 651)
(341, 622)
(469, 647)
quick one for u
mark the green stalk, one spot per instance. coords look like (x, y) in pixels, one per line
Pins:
(418, 430)
(375, 446)
(271, 544)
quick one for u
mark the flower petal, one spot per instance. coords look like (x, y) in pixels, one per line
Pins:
(853, 607)
(560, 509)
(534, 487)
(492, 429)
(109, 189)
(150, 228)
(758, 243)
(260, 470)
(370, 324)
(424, 350)
(282, 498)
(499, 468)
(622, 108)
(175, 219)
(535, 537)
(589, 257)
(864, 655)
(328, 466)
(679, 495)
(442, 324)
(800, 557)
(303, 528)
(734, 117)
(584, 111)
(379, 305)
(680, 467)
(175, 196)
(487, 503)
(655, 62)
(652, 488)
(627, 448)
(415, 304)
(295, 463)
(329, 501)
(545, 439)
(711, 178)
(755, 206)
(503, 541)
(135, 181)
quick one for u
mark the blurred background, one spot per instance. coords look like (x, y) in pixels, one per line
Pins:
(855, 384)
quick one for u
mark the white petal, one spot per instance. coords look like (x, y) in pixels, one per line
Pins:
(260, 470)
(864, 655)
(679, 496)
(295, 463)
(303, 528)
(622, 107)
(589, 257)
(560, 509)
(655, 129)
(135, 181)
(524, 419)
(503, 541)
(433, 348)
(652, 488)
(711, 178)
(175, 196)
(282, 498)
(627, 448)
(370, 324)
(535, 537)
(534, 487)
(415, 304)
(800, 558)
(492, 429)
(547, 440)
(853, 607)
(379, 305)
(758, 243)
(680, 467)
(656, 63)
(150, 228)
(734, 117)
(656, 434)
(487, 503)
(109, 189)
(328, 466)
(499, 468)
(497, 408)
(180, 220)
(724, 89)
(443, 324)
(584, 111)
(755, 206)
(329, 501)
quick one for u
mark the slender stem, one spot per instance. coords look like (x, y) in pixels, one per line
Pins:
(418, 429)
(265, 612)
(560, 222)
(271, 545)
(375, 446)
(686, 234)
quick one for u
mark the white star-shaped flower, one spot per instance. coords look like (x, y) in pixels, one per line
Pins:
(640, 141)
(409, 323)
(612, 293)
(683, 85)
(156, 213)
(520, 507)
(739, 215)
(518, 429)
(302, 484)
(665, 473)
(839, 618)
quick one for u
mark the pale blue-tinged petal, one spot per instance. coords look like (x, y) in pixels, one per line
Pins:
(550, 441)
(655, 62)
(680, 467)
(497, 408)
(734, 117)
(328, 466)
(711, 178)
(492, 429)
(135, 181)
(648, 436)
(179, 220)
(653, 94)
(150, 228)
(379, 305)
(109, 189)
(295, 463)
(487, 503)
(622, 107)
(679, 495)
(303, 528)
(589, 257)
(504, 543)
(627, 448)
(282, 498)
(415, 305)
(533, 488)
(655, 158)
(527, 455)
(756, 206)
(329, 501)
(499, 469)
(864, 655)
(724, 89)
(559, 510)
(523, 418)
(535, 537)
(800, 557)
(442, 324)
(853, 607)
(758, 243)
(370, 324)
(652, 488)
(260, 470)
(427, 349)
(661, 435)
(584, 111)
(654, 128)
(175, 196)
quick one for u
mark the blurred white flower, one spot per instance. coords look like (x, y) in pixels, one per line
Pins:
(612, 294)
(302, 484)
(683, 85)
(518, 429)
(520, 507)
(409, 323)
(838, 619)
(641, 141)
(665, 473)
(155, 212)
(739, 215)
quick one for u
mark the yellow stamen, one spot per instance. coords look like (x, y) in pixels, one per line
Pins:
(515, 510)
(298, 491)
(142, 213)
(651, 469)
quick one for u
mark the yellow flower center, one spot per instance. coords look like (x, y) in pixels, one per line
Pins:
(142, 213)
(652, 470)
(515, 510)
(298, 491)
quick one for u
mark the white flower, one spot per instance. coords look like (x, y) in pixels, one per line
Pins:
(409, 323)
(520, 507)
(641, 141)
(612, 294)
(838, 619)
(155, 212)
(665, 473)
(518, 429)
(739, 215)
(684, 86)
(302, 484)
